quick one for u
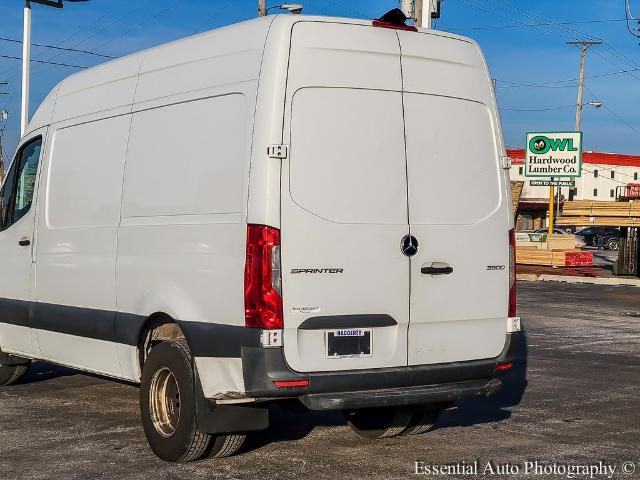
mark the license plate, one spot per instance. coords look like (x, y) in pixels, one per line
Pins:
(349, 343)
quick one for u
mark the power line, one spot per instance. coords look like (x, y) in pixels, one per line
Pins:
(145, 20)
(563, 28)
(104, 28)
(612, 50)
(55, 47)
(80, 30)
(618, 117)
(538, 109)
(533, 25)
(45, 62)
(629, 18)
(557, 82)
(493, 13)
(628, 72)
(214, 15)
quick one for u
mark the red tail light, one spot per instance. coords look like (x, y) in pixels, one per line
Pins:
(503, 367)
(262, 295)
(291, 383)
(512, 273)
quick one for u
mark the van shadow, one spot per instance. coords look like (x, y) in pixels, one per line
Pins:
(287, 425)
(42, 371)
(497, 407)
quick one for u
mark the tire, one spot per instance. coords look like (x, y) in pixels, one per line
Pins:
(10, 374)
(168, 408)
(613, 245)
(422, 419)
(380, 422)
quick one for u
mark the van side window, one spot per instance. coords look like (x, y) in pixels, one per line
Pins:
(26, 179)
(5, 198)
(17, 192)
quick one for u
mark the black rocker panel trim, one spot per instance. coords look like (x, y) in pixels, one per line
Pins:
(204, 339)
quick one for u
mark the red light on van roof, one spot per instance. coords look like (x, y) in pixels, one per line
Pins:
(395, 26)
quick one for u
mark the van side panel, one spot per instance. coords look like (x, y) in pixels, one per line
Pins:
(181, 243)
(76, 243)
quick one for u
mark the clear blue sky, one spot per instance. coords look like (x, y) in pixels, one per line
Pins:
(517, 54)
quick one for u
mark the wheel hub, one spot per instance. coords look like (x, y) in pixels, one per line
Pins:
(164, 402)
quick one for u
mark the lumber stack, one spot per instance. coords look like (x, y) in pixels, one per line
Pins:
(553, 258)
(542, 241)
(555, 250)
(595, 208)
(516, 193)
(600, 213)
(597, 221)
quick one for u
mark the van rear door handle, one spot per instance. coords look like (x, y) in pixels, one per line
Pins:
(24, 242)
(437, 268)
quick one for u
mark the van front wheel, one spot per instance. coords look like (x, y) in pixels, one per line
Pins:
(381, 422)
(167, 407)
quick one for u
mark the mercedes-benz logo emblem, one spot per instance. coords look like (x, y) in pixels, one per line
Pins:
(409, 245)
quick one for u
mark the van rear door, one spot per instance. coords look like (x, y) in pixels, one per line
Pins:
(457, 207)
(344, 199)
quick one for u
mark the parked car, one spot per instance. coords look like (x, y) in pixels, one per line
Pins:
(235, 219)
(611, 237)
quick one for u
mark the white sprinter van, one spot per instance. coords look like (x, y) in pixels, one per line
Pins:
(300, 209)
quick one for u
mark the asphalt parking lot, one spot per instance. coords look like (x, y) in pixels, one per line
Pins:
(580, 407)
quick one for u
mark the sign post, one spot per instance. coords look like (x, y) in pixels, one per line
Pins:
(556, 155)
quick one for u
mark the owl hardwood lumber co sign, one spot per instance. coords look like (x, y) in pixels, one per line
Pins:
(553, 154)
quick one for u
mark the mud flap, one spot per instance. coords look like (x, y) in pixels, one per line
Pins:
(218, 419)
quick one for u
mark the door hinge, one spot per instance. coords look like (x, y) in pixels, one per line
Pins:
(271, 338)
(506, 162)
(277, 151)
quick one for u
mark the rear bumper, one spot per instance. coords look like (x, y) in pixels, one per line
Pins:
(446, 393)
(369, 388)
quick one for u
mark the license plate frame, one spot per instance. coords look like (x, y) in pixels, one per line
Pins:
(349, 343)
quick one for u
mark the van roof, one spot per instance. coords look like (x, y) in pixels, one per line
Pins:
(116, 79)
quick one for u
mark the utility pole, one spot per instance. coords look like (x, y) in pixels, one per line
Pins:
(584, 46)
(424, 11)
(262, 8)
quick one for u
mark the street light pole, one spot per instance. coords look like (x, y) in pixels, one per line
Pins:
(26, 58)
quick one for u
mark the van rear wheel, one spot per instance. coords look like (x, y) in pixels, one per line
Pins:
(381, 422)
(167, 407)
(422, 419)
